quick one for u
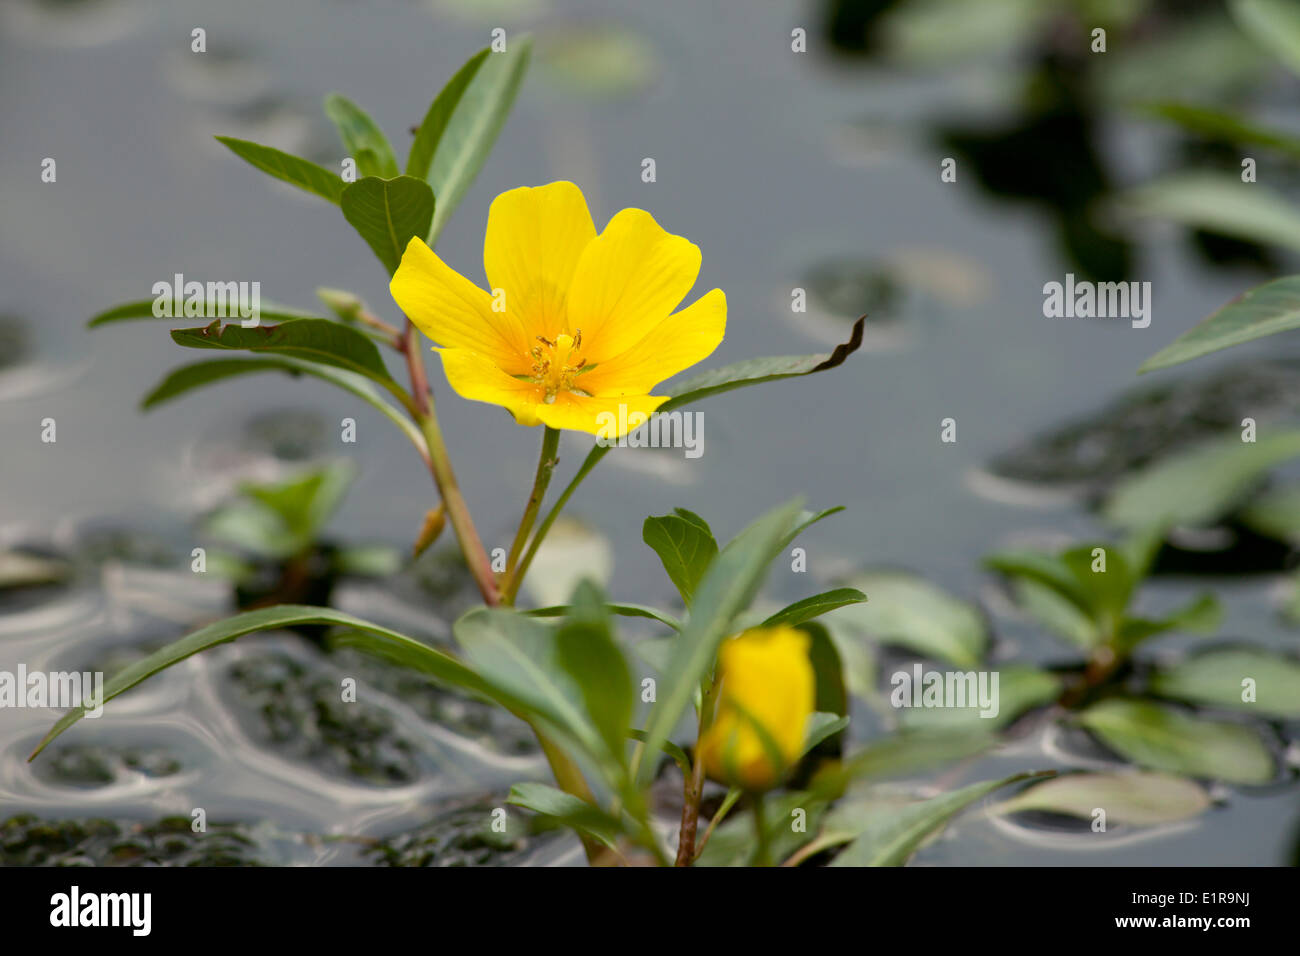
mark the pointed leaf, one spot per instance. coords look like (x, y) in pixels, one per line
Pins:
(888, 836)
(1163, 738)
(364, 141)
(428, 660)
(388, 213)
(685, 546)
(727, 588)
(186, 378)
(458, 132)
(1219, 678)
(1136, 797)
(292, 169)
(310, 340)
(815, 606)
(1265, 310)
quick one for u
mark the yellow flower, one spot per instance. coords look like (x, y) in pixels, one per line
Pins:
(577, 328)
(766, 695)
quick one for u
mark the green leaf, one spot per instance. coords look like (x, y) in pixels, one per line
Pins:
(911, 612)
(668, 747)
(518, 658)
(364, 141)
(292, 169)
(1274, 25)
(1219, 203)
(727, 588)
(186, 378)
(588, 653)
(388, 213)
(623, 610)
(1163, 738)
(143, 309)
(1201, 615)
(753, 371)
(822, 726)
(1216, 677)
(439, 665)
(463, 122)
(908, 751)
(1057, 613)
(1265, 310)
(567, 810)
(815, 606)
(1199, 486)
(1275, 514)
(1135, 797)
(1049, 570)
(1020, 688)
(832, 695)
(888, 836)
(1224, 126)
(685, 546)
(310, 340)
(305, 503)
(713, 383)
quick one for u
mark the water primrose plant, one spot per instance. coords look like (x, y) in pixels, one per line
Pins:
(574, 330)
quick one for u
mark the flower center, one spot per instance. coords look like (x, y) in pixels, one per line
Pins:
(556, 364)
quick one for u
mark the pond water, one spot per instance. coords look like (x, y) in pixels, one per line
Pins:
(787, 170)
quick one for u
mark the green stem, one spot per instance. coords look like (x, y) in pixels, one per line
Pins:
(471, 545)
(588, 464)
(763, 855)
(545, 468)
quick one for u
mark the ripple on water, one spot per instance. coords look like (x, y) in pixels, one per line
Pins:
(71, 23)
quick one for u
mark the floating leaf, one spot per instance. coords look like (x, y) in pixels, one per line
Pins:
(1137, 797)
(292, 169)
(388, 213)
(889, 836)
(1020, 688)
(1200, 486)
(1275, 514)
(1163, 738)
(1218, 677)
(911, 612)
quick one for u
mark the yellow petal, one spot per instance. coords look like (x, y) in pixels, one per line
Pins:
(534, 239)
(608, 417)
(627, 282)
(476, 377)
(674, 344)
(453, 311)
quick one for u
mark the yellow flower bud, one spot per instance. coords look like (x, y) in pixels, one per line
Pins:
(766, 694)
